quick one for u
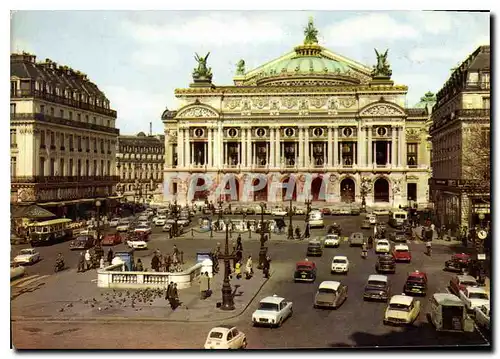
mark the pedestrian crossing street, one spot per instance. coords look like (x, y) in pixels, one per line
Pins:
(27, 280)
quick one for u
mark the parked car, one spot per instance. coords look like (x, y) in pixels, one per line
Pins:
(279, 211)
(382, 246)
(377, 288)
(27, 256)
(402, 309)
(448, 313)
(272, 311)
(340, 264)
(331, 240)
(82, 243)
(238, 210)
(111, 239)
(114, 222)
(330, 294)
(16, 271)
(356, 239)
(314, 248)
(365, 224)
(474, 297)
(385, 263)
(225, 337)
(458, 262)
(137, 243)
(416, 283)
(305, 271)
(401, 253)
(299, 211)
(250, 211)
(482, 315)
(460, 282)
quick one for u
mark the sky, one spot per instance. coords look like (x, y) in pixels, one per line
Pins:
(138, 58)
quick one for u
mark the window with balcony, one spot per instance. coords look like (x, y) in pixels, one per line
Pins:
(87, 144)
(70, 116)
(412, 154)
(87, 118)
(347, 150)
(79, 143)
(13, 88)
(71, 171)
(42, 166)
(61, 167)
(52, 140)
(94, 143)
(79, 171)
(13, 166)
(87, 168)
(52, 111)
(71, 148)
(13, 138)
(42, 109)
(78, 117)
(61, 113)
(289, 153)
(102, 146)
(411, 190)
(12, 108)
(42, 139)
(95, 167)
(52, 167)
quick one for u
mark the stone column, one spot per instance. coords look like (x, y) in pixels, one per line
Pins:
(403, 146)
(180, 148)
(335, 146)
(210, 162)
(249, 148)
(188, 152)
(330, 148)
(277, 161)
(400, 154)
(301, 154)
(341, 162)
(243, 148)
(307, 154)
(387, 153)
(325, 148)
(354, 150)
(219, 143)
(370, 145)
(393, 147)
(272, 145)
(361, 148)
(205, 153)
(168, 152)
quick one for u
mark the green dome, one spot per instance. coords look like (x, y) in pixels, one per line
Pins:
(306, 65)
(428, 100)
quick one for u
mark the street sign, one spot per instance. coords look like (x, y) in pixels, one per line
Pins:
(481, 256)
(482, 234)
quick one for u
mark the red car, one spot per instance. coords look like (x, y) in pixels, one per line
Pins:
(326, 211)
(416, 283)
(401, 253)
(111, 239)
(459, 282)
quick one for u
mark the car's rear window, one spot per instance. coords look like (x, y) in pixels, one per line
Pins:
(377, 283)
(415, 279)
(304, 268)
(216, 335)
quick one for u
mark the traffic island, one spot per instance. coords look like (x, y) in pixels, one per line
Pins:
(83, 301)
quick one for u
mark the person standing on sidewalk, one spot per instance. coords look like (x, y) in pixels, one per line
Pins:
(249, 268)
(88, 259)
(239, 245)
(204, 282)
(81, 263)
(110, 256)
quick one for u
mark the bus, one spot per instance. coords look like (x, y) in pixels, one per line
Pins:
(50, 231)
(397, 218)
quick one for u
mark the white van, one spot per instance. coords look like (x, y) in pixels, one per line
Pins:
(397, 218)
(316, 219)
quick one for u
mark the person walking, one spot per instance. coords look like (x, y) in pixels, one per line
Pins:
(239, 245)
(204, 282)
(168, 263)
(81, 263)
(101, 263)
(154, 263)
(249, 268)
(169, 291)
(138, 266)
(88, 259)
(237, 270)
(110, 255)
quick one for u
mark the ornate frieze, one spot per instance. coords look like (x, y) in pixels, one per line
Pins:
(274, 108)
(290, 102)
(382, 110)
(194, 112)
(333, 105)
(347, 102)
(303, 107)
(412, 134)
(260, 102)
(318, 102)
(233, 103)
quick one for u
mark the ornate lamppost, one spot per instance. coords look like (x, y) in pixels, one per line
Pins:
(263, 239)
(365, 189)
(98, 206)
(227, 292)
(290, 215)
(175, 212)
(308, 202)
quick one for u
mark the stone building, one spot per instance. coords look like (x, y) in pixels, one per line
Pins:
(327, 124)
(62, 139)
(461, 116)
(139, 162)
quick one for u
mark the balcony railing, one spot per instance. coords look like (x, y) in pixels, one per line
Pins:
(62, 179)
(62, 121)
(478, 85)
(62, 100)
(473, 113)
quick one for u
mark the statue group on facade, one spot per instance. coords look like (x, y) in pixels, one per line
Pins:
(382, 69)
(202, 72)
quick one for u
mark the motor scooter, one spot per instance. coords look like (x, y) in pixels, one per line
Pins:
(364, 254)
(59, 266)
(429, 251)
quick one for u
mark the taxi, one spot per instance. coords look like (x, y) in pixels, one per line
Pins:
(416, 283)
(401, 253)
(402, 309)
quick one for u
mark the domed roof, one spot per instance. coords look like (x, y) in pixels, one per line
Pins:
(141, 134)
(429, 99)
(305, 65)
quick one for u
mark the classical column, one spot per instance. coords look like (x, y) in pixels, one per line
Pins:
(205, 153)
(387, 153)
(354, 149)
(330, 147)
(220, 143)
(272, 145)
(253, 153)
(403, 146)
(210, 144)
(188, 152)
(301, 154)
(400, 153)
(168, 159)
(307, 152)
(249, 148)
(393, 147)
(325, 147)
(277, 161)
(369, 160)
(243, 148)
(361, 148)
(336, 146)
(341, 162)
(180, 148)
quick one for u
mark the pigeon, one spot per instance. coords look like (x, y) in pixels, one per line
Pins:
(85, 302)
(61, 310)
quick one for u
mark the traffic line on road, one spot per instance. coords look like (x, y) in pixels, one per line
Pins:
(23, 282)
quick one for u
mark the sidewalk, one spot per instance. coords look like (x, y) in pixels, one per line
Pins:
(73, 296)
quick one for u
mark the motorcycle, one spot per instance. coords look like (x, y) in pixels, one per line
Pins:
(59, 266)
(364, 254)
(429, 251)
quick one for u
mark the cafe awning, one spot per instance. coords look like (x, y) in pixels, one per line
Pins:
(32, 212)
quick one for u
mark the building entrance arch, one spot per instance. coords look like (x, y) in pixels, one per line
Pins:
(381, 190)
(259, 195)
(316, 189)
(232, 194)
(200, 195)
(347, 190)
(286, 183)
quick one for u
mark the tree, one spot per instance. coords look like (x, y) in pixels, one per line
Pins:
(476, 162)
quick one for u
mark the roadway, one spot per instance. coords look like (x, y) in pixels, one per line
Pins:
(355, 323)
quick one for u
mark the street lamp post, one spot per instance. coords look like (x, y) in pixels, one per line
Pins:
(290, 215)
(308, 204)
(364, 191)
(263, 230)
(227, 292)
(98, 206)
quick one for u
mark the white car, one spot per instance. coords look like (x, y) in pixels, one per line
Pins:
(272, 311)
(143, 229)
(372, 218)
(225, 337)
(114, 222)
(382, 246)
(332, 240)
(123, 227)
(137, 244)
(340, 264)
(160, 221)
(27, 256)
(474, 297)
(143, 223)
(381, 212)
(143, 219)
(482, 315)
(299, 211)
(278, 211)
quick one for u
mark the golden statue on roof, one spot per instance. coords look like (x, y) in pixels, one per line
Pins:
(311, 33)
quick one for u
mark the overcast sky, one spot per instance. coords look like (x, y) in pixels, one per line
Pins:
(138, 58)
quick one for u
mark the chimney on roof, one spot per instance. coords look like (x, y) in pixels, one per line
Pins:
(151, 128)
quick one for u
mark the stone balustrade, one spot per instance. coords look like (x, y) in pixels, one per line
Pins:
(114, 276)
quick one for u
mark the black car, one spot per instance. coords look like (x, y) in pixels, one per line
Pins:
(314, 249)
(398, 237)
(250, 211)
(385, 263)
(377, 288)
(238, 210)
(416, 285)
